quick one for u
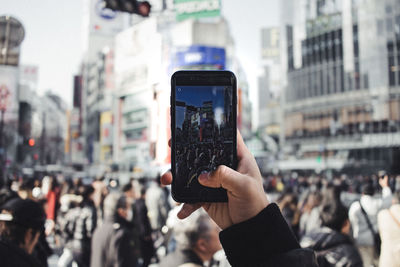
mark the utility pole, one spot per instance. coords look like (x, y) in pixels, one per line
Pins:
(43, 141)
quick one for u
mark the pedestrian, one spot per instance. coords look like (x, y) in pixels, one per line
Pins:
(113, 243)
(310, 217)
(157, 205)
(288, 206)
(21, 222)
(84, 227)
(363, 218)
(70, 209)
(197, 241)
(389, 229)
(52, 194)
(100, 192)
(145, 237)
(332, 241)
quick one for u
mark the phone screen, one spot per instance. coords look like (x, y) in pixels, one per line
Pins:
(205, 132)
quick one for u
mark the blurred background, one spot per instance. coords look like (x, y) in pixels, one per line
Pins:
(85, 85)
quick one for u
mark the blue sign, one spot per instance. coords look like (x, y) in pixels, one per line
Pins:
(198, 55)
(103, 12)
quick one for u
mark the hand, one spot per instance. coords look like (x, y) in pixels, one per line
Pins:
(246, 197)
(384, 182)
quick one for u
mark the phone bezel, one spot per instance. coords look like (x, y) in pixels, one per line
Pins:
(187, 78)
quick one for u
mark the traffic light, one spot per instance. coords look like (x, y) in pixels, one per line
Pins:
(31, 142)
(141, 8)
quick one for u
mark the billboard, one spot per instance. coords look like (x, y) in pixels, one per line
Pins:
(106, 136)
(194, 9)
(9, 92)
(199, 57)
(270, 44)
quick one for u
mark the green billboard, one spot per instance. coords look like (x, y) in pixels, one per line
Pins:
(186, 9)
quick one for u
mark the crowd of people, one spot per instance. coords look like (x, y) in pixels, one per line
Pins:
(316, 221)
(87, 224)
(193, 159)
(351, 221)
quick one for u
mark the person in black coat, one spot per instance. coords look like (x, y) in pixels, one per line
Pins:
(254, 232)
(332, 242)
(21, 222)
(142, 220)
(114, 243)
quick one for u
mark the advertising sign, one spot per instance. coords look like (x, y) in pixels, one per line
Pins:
(270, 43)
(186, 9)
(199, 57)
(9, 96)
(106, 128)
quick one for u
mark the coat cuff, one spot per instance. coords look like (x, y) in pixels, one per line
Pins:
(258, 239)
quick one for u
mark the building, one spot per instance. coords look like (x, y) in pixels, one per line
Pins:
(270, 84)
(137, 75)
(100, 27)
(41, 129)
(342, 97)
(146, 55)
(128, 125)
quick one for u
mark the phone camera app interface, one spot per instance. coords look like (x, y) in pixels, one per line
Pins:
(203, 132)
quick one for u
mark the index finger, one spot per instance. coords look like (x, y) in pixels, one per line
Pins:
(166, 178)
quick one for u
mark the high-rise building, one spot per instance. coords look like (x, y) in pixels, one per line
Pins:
(342, 99)
(99, 30)
(137, 76)
(270, 84)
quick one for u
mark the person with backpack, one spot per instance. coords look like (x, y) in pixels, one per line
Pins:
(332, 242)
(363, 218)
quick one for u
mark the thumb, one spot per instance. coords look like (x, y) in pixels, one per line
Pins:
(224, 177)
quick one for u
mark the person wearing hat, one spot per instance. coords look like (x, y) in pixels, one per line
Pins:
(363, 214)
(21, 222)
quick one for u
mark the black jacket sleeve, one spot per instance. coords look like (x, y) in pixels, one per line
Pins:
(265, 240)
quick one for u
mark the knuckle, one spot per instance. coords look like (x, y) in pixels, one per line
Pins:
(222, 172)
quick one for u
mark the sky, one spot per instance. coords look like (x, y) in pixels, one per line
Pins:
(196, 95)
(53, 37)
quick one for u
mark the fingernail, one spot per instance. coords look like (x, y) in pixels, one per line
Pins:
(203, 177)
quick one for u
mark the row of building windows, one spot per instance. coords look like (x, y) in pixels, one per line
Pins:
(318, 77)
(322, 48)
(324, 79)
(394, 62)
(349, 129)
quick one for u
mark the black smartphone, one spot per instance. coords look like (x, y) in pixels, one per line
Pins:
(203, 125)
